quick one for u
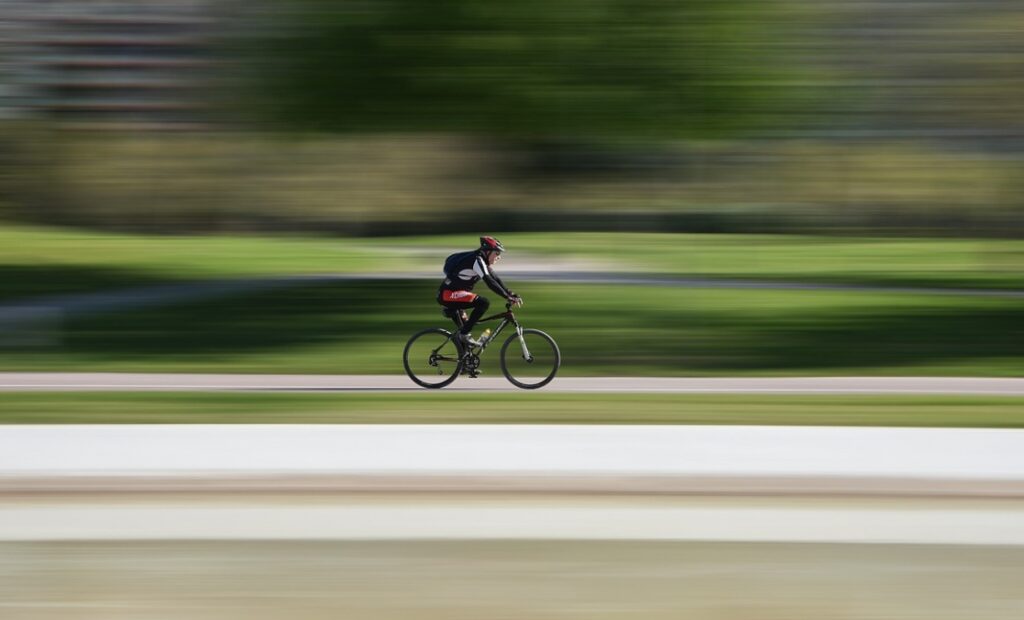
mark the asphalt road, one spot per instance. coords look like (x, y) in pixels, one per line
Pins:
(35, 381)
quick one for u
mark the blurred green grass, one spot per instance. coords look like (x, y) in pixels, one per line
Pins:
(42, 260)
(361, 327)
(512, 408)
(36, 261)
(879, 261)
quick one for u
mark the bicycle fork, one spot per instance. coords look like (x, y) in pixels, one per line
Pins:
(522, 342)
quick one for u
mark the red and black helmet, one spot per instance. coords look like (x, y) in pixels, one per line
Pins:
(490, 244)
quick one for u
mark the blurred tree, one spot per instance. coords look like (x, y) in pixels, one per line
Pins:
(529, 68)
(982, 62)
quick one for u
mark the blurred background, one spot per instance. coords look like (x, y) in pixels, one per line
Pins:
(842, 147)
(371, 118)
(686, 188)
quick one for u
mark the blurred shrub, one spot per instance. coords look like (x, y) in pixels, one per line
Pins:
(395, 184)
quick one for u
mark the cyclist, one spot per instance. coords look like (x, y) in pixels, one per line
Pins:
(462, 271)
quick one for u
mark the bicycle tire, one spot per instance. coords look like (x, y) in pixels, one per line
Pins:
(419, 377)
(552, 353)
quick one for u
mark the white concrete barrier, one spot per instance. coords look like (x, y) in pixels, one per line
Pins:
(737, 459)
(313, 482)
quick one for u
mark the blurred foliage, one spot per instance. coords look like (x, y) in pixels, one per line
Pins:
(949, 71)
(37, 261)
(530, 68)
(414, 117)
(986, 87)
(361, 327)
(386, 184)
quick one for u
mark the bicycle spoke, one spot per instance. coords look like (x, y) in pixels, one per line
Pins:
(431, 358)
(531, 359)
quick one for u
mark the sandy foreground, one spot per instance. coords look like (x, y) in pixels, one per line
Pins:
(506, 580)
(392, 556)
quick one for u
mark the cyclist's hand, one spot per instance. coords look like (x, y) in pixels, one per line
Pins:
(516, 300)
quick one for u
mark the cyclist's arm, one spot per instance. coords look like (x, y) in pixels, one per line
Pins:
(493, 282)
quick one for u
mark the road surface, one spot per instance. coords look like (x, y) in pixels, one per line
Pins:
(42, 381)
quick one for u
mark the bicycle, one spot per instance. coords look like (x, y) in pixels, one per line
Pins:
(436, 354)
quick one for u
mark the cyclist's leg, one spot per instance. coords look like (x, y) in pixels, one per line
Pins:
(457, 315)
(464, 300)
(480, 306)
(453, 310)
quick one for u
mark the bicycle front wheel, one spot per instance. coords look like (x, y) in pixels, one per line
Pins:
(530, 361)
(431, 358)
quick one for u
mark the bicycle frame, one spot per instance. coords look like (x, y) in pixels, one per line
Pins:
(507, 317)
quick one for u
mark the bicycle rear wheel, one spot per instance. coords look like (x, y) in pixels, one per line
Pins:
(532, 362)
(431, 358)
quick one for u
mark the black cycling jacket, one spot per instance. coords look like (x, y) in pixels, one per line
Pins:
(465, 269)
